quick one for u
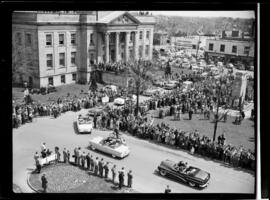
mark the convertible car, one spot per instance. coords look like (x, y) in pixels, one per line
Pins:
(193, 176)
(110, 145)
(84, 124)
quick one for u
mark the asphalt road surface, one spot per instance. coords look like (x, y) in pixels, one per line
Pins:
(143, 160)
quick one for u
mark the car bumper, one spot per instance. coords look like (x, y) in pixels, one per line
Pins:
(204, 185)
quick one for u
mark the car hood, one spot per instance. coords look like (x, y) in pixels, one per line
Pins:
(96, 139)
(122, 148)
(167, 163)
(201, 174)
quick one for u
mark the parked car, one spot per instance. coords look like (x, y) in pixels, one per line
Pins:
(152, 91)
(84, 124)
(119, 101)
(169, 85)
(95, 110)
(159, 83)
(193, 176)
(110, 145)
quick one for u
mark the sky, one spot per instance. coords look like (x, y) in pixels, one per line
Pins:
(233, 14)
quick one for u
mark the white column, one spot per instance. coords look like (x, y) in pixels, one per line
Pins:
(136, 41)
(143, 44)
(107, 53)
(117, 46)
(150, 44)
(126, 46)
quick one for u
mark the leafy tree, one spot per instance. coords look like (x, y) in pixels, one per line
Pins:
(141, 72)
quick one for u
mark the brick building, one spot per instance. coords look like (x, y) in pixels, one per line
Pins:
(61, 47)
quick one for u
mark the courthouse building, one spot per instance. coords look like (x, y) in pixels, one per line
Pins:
(61, 47)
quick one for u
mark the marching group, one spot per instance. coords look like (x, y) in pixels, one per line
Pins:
(85, 161)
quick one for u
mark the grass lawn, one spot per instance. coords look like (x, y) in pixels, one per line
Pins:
(62, 91)
(236, 135)
(66, 178)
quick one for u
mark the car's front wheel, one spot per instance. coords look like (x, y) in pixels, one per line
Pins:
(162, 172)
(191, 184)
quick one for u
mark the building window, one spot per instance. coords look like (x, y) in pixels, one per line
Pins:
(194, 46)
(74, 77)
(92, 39)
(63, 79)
(48, 40)
(211, 46)
(146, 50)
(222, 48)
(62, 59)
(147, 34)
(73, 58)
(28, 39)
(19, 38)
(50, 80)
(49, 58)
(246, 50)
(73, 38)
(141, 33)
(61, 39)
(234, 49)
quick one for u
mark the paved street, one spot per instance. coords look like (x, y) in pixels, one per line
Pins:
(143, 160)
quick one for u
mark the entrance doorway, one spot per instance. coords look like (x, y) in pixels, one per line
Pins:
(112, 55)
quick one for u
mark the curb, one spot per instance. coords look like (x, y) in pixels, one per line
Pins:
(30, 185)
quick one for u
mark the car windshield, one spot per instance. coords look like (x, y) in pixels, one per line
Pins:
(191, 171)
(112, 142)
(84, 120)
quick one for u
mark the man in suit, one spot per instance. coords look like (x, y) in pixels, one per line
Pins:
(87, 157)
(113, 170)
(106, 169)
(44, 183)
(130, 177)
(96, 166)
(101, 167)
(168, 190)
(92, 164)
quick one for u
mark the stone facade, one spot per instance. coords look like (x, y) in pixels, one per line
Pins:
(65, 45)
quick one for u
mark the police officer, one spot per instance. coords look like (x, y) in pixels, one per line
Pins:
(106, 169)
(83, 157)
(121, 178)
(113, 170)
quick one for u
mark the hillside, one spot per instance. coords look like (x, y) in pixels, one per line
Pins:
(189, 25)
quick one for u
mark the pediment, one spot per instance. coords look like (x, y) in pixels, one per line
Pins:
(124, 19)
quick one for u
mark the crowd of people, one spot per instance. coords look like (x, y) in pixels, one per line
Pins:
(98, 166)
(25, 112)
